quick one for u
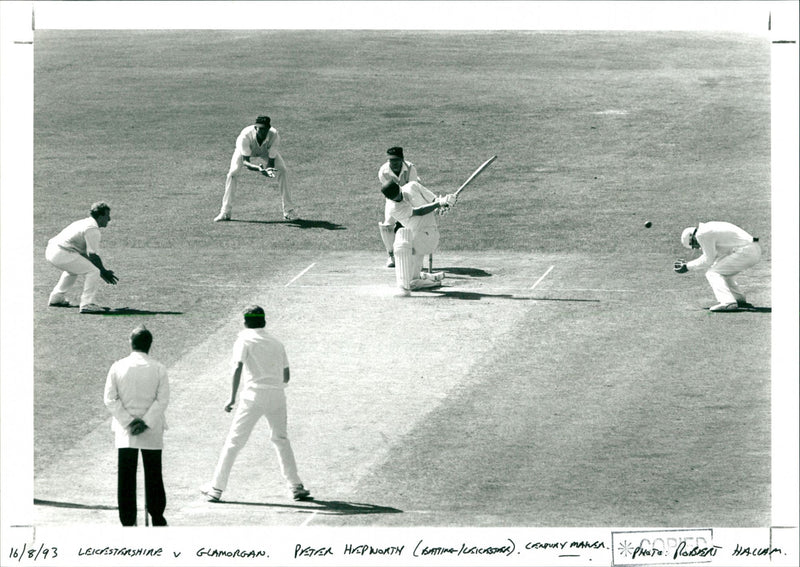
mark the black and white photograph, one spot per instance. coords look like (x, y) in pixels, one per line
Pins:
(510, 283)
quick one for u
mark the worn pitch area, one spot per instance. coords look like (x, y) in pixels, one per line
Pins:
(529, 390)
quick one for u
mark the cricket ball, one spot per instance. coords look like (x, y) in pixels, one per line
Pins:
(648, 224)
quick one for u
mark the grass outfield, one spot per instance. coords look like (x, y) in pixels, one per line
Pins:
(604, 387)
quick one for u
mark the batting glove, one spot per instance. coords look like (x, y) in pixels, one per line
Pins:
(680, 267)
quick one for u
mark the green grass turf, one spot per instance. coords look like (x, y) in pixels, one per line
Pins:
(595, 132)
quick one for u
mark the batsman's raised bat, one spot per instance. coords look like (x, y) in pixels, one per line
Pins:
(475, 174)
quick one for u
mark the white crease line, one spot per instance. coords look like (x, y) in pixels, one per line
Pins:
(550, 269)
(298, 276)
(308, 520)
(613, 290)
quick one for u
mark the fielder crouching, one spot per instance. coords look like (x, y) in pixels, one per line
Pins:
(413, 206)
(727, 251)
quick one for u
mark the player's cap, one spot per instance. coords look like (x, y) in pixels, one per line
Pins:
(395, 151)
(687, 235)
(263, 121)
(390, 190)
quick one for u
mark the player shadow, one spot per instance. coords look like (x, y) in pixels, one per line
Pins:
(471, 272)
(128, 311)
(308, 223)
(475, 296)
(745, 310)
(325, 507)
(56, 504)
(299, 223)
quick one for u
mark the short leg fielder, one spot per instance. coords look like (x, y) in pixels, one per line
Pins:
(721, 275)
(232, 182)
(72, 266)
(251, 408)
(409, 255)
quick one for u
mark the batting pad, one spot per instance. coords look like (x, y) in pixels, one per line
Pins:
(387, 235)
(404, 264)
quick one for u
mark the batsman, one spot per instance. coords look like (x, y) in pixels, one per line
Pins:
(413, 205)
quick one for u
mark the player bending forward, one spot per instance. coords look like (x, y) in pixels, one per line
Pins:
(413, 205)
(727, 251)
(396, 169)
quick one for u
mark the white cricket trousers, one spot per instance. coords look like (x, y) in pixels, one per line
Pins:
(721, 274)
(72, 265)
(254, 404)
(232, 182)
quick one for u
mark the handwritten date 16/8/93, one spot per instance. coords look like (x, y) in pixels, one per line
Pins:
(42, 552)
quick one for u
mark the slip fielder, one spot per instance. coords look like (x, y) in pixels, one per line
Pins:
(258, 140)
(413, 205)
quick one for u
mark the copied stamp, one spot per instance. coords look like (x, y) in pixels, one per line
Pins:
(659, 547)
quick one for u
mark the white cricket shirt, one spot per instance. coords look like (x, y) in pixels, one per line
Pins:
(82, 236)
(263, 358)
(247, 143)
(717, 239)
(407, 173)
(414, 195)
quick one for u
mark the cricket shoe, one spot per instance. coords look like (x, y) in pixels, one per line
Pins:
(92, 308)
(222, 217)
(423, 283)
(211, 493)
(390, 261)
(291, 215)
(745, 305)
(62, 303)
(724, 307)
(432, 276)
(299, 492)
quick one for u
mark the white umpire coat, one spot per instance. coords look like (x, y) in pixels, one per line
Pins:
(137, 386)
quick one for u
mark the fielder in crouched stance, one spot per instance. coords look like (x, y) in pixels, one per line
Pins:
(413, 205)
(727, 250)
(262, 368)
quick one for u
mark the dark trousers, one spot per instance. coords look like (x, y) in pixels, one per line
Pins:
(154, 494)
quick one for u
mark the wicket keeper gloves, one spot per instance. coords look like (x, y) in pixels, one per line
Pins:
(268, 171)
(680, 267)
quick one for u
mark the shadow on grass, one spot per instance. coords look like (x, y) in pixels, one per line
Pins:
(55, 504)
(126, 311)
(328, 507)
(474, 296)
(471, 272)
(299, 223)
(745, 310)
